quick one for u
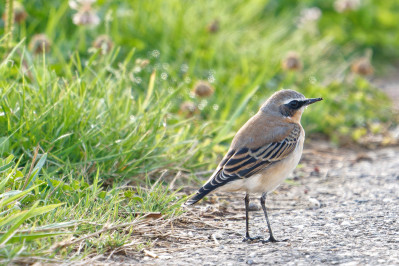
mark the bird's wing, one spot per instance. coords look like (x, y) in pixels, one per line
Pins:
(244, 162)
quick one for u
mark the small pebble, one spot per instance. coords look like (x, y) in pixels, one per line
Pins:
(314, 203)
(253, 207)
(218, 235)
(340, 215)
(345, 223)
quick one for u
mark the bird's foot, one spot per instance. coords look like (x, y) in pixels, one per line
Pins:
(250, 239)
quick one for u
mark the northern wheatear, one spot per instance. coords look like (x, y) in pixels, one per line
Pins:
(263, 152)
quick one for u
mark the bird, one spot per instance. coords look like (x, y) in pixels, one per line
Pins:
(264, 151)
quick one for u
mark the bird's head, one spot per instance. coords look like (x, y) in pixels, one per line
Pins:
(287, 103)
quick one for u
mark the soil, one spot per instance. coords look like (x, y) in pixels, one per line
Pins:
(339, 207)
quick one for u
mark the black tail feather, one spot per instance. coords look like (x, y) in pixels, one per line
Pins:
(210, 186)
(202, 192)
(198, 196)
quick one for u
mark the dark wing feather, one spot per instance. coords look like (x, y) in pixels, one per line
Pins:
(249, 163)
(245, 162)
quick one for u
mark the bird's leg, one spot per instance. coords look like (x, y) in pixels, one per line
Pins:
(246, 199)
(262, 202)
(247, 237)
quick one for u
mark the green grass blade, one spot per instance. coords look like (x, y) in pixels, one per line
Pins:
(15, 197)
(5, 180)
(150, 91)
(10, 232)
(37, 169)
(5, 167)
(9, 57)
(33, 236)
(38, 211)
(54, 226)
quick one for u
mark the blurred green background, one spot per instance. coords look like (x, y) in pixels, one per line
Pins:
(120, 91)
(84, 106)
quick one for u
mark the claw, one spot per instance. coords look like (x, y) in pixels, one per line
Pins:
(271, 239)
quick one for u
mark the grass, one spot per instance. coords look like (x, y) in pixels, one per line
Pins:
(48, 212)
(77, 125)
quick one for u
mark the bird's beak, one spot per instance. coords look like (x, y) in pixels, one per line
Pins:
(310, 101)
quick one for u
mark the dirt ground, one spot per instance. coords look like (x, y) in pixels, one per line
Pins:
(340, 207)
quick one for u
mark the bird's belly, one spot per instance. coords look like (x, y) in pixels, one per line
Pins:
(268, 179)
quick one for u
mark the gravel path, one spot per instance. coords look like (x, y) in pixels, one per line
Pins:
(341, 207)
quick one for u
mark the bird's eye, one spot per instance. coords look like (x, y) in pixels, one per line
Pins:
(294, 104)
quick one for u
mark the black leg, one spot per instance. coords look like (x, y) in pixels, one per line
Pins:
(246, 199)
(262, 202)
(247, 237)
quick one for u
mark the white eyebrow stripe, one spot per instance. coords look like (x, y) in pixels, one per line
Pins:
(298, 99)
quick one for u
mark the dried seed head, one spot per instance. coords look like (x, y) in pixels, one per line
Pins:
(142, 63)
(85, 15)
(40, 43)
(188, 109)
(214, 26)
(103, 43)
(203, 89)
(362, 66)
(342, 6)
(20, 14)
(291, 62)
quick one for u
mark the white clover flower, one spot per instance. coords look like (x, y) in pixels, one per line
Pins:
(309, 15)
(342, 6)
(85, 15)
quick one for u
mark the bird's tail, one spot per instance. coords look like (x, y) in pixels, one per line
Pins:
(202, 192)
(209, 186)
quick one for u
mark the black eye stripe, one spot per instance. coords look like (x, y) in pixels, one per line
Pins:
(290, 108)
(294, 104)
